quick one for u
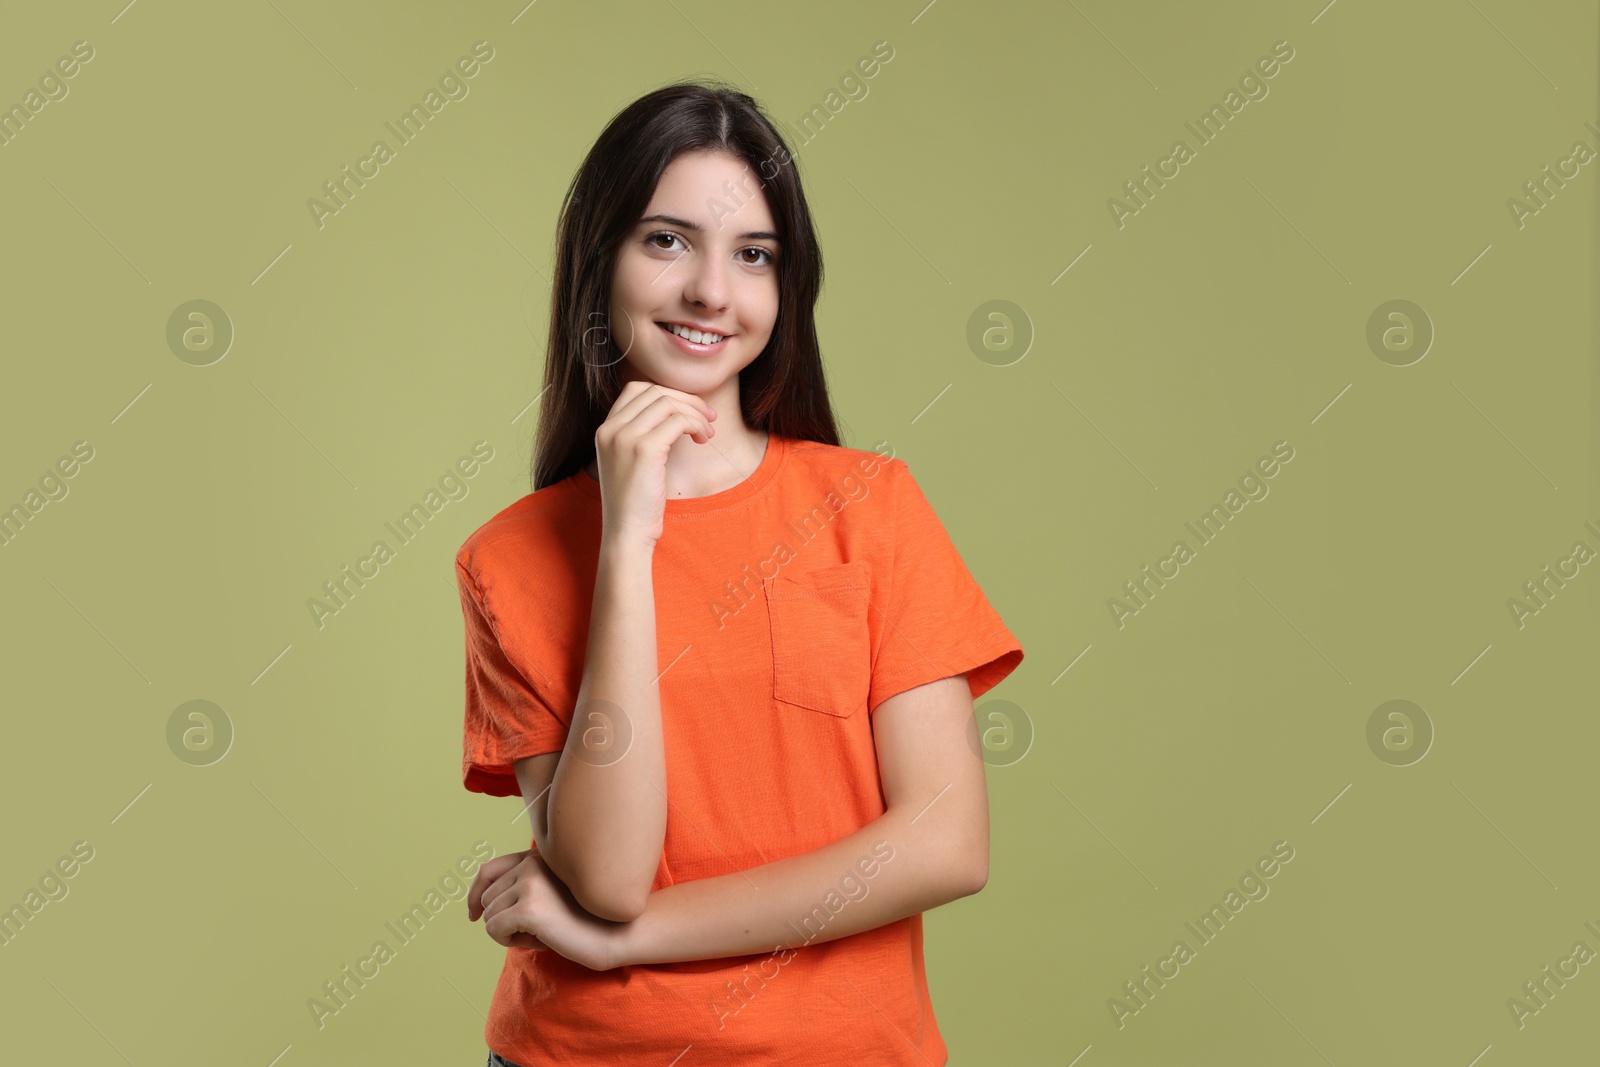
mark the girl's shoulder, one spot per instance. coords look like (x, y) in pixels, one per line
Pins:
(532, 530)
(834, 461)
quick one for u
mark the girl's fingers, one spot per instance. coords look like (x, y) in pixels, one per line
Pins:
(631, 390)
(695, 415)
(668, 430)
(488, 874)
(636, 395)
(666, 407)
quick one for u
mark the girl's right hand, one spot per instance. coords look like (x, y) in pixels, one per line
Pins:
(631, 449)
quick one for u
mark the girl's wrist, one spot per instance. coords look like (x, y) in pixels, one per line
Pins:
(632, 944)
(625, 548)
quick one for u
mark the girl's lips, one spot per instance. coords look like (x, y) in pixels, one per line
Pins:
(692, 348)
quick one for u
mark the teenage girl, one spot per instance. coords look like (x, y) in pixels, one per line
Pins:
(728, 664)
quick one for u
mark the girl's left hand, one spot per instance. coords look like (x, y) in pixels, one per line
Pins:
(524, 905)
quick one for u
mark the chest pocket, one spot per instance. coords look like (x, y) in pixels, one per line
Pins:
(821, 646)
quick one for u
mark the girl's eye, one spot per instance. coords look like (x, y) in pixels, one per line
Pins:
(670, 237)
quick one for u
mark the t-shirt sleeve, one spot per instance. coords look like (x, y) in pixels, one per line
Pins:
(934, 620)
(506, 718)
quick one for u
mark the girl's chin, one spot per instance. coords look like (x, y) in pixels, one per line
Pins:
(685, 380)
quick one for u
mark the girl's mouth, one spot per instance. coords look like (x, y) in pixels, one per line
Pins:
(697, 348)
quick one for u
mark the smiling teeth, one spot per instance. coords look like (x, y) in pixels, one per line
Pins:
(694, 335)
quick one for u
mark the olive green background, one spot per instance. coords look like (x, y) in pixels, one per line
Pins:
(1230, 313)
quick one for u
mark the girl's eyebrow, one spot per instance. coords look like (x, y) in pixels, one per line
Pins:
(682, 224)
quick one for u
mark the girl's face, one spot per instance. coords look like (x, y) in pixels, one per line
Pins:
(703, 257)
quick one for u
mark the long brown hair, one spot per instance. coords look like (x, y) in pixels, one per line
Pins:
(783, 390)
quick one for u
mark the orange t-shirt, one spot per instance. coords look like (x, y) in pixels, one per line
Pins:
(789, 607)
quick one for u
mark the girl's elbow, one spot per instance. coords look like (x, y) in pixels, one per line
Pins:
(971, 868)
(614, 906)
(973, 877)
(597, 891)
(607, 895)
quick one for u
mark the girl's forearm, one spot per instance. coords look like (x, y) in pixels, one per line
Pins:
(887, 870)
(607, 807)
